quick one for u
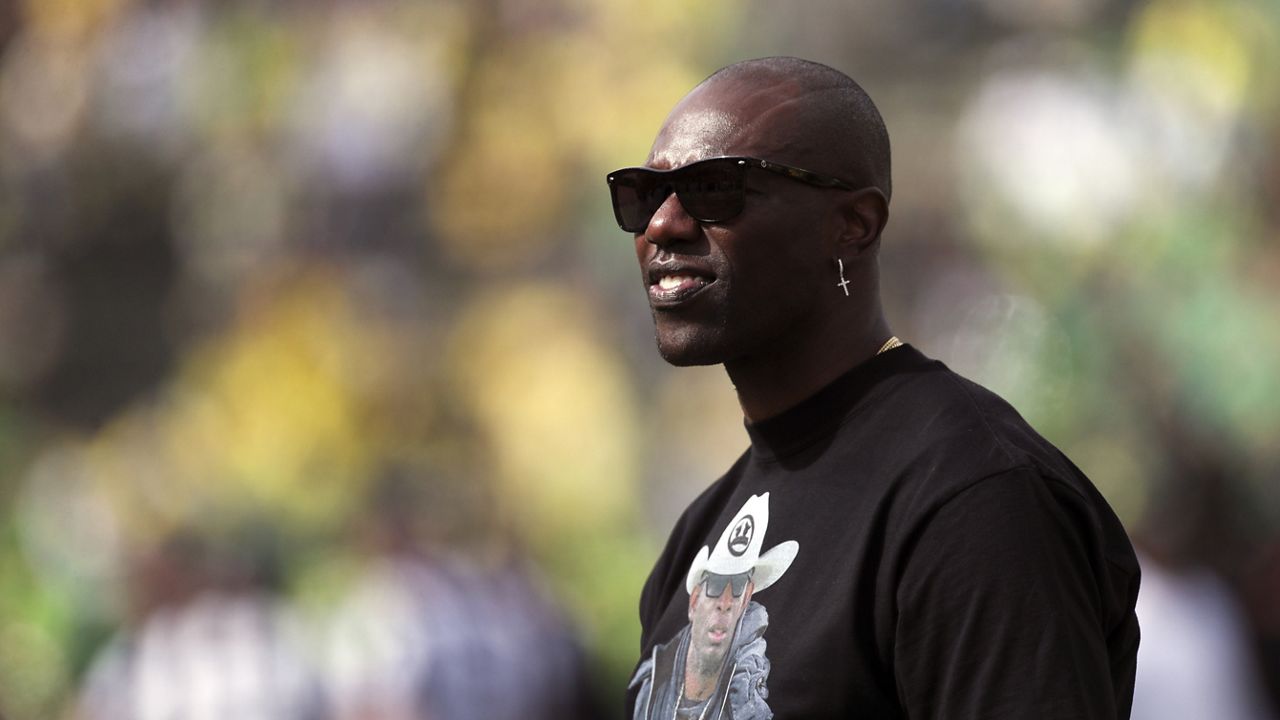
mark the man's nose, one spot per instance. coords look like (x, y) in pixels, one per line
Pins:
(724, 603)
(671, 223)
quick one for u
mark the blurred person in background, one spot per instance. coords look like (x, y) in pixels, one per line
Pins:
(949, 562)
(210, 640)
(428, 632)
(1198, 657)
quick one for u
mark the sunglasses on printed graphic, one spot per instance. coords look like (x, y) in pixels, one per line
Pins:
(715, 583)
(710, 191)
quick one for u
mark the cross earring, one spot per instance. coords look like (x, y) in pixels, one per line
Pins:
(843, 284)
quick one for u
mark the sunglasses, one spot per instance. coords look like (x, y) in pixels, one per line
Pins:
(715, 584)
(711, 191)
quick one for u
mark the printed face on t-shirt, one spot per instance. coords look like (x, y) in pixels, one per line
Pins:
(712, 622)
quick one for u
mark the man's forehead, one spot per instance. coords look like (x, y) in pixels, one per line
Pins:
(725, 118)
(695, 134)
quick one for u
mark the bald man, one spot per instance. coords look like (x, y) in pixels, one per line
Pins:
(951, 562)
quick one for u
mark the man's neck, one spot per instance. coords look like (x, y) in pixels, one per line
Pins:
(699, 683)
(768, 385)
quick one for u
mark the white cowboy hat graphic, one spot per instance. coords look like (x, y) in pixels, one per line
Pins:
(738, 549)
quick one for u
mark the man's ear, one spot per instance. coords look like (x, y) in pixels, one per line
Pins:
(863, 215)
(693, 599)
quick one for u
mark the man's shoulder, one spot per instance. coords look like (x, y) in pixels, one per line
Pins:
(943, 432)
(975, 450)
(948, 418)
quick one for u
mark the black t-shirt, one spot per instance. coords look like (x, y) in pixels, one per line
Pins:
(923, 554)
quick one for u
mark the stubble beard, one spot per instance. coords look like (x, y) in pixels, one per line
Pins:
(688, 344)
(733, 331)
(709, 662)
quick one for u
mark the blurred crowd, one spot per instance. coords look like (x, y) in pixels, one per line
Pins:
(326, 382)
(419, 631)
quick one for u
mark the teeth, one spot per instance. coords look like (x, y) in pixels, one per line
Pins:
(671, 282)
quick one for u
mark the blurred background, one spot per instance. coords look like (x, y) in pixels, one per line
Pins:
(327, 386)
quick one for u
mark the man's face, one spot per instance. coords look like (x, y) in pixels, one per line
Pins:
(749, 285)
(712, 622)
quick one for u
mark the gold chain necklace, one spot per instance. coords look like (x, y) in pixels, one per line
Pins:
(679, 698)
(890, 344)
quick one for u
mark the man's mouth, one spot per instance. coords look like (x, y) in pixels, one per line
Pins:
(717, 634)
(674, 287)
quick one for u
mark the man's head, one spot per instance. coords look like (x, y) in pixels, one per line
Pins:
(793, 110)
(715, 606)
(729, 288)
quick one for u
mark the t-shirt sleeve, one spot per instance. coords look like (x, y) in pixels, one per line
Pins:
(1000, 608)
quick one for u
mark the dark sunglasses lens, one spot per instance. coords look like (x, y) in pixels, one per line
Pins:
(711, 191)
(637, 195)
(717, 583)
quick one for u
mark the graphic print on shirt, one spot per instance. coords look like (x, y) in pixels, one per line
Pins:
(715, 667)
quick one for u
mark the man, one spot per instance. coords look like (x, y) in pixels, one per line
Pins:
(718, 660)
(949, 562)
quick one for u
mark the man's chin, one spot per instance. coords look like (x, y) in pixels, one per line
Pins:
(682, 350)
(685, 359)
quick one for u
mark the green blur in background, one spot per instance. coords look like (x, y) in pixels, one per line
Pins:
(254, 255)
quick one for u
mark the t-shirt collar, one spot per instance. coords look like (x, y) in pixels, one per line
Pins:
(816, 416)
